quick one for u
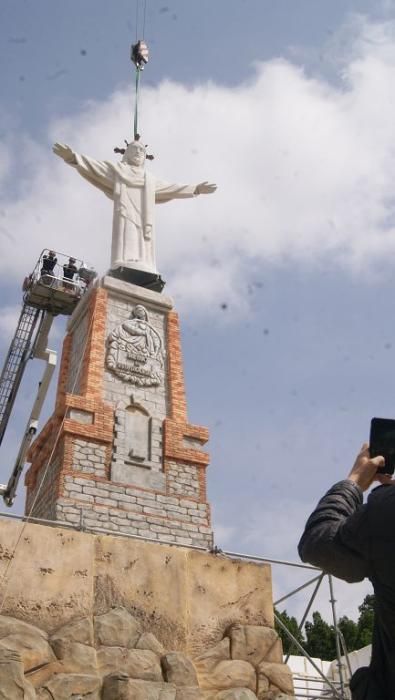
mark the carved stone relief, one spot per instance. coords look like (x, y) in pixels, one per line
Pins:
(134, 350)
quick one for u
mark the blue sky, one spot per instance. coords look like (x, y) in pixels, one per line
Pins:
(284, 279)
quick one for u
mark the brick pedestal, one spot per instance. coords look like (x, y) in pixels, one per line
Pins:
(119, 452)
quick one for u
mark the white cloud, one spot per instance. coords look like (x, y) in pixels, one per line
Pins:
(305, 170)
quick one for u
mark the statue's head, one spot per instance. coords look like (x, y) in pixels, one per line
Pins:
(140, 312)
(135, 154)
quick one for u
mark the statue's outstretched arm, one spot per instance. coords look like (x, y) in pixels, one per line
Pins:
(98, 173)
(65, 152)
(164, 192)
(205, 187)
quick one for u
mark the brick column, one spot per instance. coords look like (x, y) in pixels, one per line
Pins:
(81, 418)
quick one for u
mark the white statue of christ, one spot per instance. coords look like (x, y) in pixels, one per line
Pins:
(134, 192)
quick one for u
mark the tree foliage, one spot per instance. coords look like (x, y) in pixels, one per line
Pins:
(349, 630)
(319, 638)
(365, 622)
(291, 624)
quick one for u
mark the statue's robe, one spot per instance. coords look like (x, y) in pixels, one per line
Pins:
(134, 192)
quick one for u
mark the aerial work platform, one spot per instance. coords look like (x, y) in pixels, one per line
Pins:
(55, 287)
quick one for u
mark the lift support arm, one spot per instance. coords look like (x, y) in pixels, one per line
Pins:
(39, 351)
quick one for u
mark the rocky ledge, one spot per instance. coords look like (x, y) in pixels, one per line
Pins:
(110, 657)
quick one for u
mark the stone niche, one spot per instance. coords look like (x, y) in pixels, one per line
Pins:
(135, 432)
(111, 618)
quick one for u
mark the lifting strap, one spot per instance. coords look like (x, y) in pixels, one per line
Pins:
(136, 106)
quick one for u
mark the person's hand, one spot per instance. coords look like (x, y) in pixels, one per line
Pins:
(205, 188)
(63, 151)
(364, 471)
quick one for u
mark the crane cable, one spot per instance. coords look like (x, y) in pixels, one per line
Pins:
(137, 77)
(139, 56)
(137, 18)
(4, 584)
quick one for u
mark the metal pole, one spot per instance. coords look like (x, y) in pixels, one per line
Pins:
(310, 603)
(345, 652)
(300, 588)
(338, 649)
(252, 557)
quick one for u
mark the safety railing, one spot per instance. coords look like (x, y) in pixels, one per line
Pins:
(56, 270)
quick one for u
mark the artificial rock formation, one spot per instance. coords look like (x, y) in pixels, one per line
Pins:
(105, 658)
(185, 598)
(12, 681)
(111, 618)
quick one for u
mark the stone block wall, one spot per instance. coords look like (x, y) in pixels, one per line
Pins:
(121, 452)
(183, 479)
(89, 458)
(101, 504)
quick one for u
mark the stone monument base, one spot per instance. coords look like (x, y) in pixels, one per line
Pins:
(119, 451)
(110, 617)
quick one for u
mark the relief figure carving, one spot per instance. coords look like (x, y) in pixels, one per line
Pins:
(135, 351)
